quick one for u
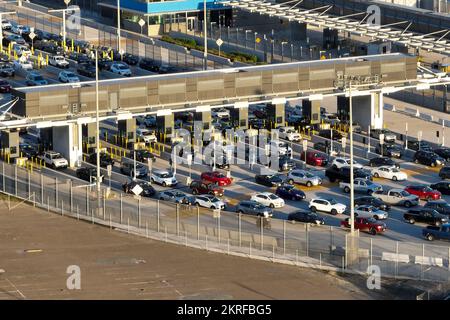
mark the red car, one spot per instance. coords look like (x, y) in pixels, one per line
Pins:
(366, 224)
(315, 158)
(206, 187)
(5, 87)
(424, 192)
(216, 177)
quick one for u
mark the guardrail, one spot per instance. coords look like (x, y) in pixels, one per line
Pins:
(415, 112)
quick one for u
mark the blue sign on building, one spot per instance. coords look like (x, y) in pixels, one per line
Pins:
(172, 6)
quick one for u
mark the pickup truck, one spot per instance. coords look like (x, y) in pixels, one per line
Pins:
(439, 233)
(397, 197)
(343, 174)
(429, 216)
(59, 62)
(54, 160)
(366, 224)
(361, 185)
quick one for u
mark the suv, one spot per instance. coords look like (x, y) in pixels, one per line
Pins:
(428, 158)
(254, 208)
(59, 62)
(105, 159)
(121, 69)
(343, 174)
(443, 187)
(315, 158)
(86, 69)
(443, 152)
(303, 177)
(35, 79)
(148, 65)
(164, 177)
(327, 133)
(127, 168)
(440, 206)
(383, 161)
(88, 174)
(444, 173)
(419, 145)
(206, 187)
(389, 136)
(427, 215)
(390, 150)
(54, 159)
(369, 224)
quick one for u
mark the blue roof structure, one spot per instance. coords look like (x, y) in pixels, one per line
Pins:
(169, 6)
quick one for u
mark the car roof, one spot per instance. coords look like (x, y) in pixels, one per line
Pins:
(160, 171)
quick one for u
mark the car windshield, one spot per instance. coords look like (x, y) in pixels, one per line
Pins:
(180, 194)
(405, 193)
(56, 156)
(220, 175)
(273, 197)
(70, 75)
(371, 220)
(332, 201)
(309, 174)
(38, 78)
(165, 175)
(215, 199)
(368, 182)
(122, 67)
(427, 189)
(395, 170)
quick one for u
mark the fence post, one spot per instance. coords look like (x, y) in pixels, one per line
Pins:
(104, 204)
(185, 238)
(307, 240)
(87, 201)
(157, 215)
(198, 223)
(15, 180)
(121, 208)
(48, 203)
(128, 225)
(206, 242)
(71, 196)
(62, 207)
(449, 259)
(178, 219)
(78, 213)
(42, 188)
(284, 237)
(423, 259)
(56, 192)
(34, 199)
(218, 227)
(29, 183)
(331, 237)
(3, 177)
(139, 212)
(250, 248)
(261, 219)
(240, 236)
(146, 228)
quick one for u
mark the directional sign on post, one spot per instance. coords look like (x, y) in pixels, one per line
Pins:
(141, 22)
(305, 145)
(67, 2)
(219, 42)
(344, 141)
(137, 190)
(258, 40)
(109, 169)
(32, 35)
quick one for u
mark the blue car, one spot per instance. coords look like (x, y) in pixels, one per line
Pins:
(290, 192)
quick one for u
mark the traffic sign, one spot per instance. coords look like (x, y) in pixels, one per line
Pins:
(258, 40)
(344, 141)
(32, 35)
(137, 190)
(381, 138)
(141, 22)
(109, 169)
(305, 145)
(67, 2)
(219, 42)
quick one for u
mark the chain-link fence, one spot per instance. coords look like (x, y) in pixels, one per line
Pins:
(324, 247)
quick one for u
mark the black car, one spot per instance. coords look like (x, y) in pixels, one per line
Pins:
(147, 189)
(305, 217)
(327, 133)
(390, 150)
(270, 180)
(87, 173)
(326, 147)
(148, 65)
(443, 187)
(343, 174)
(443, 152)
(428, 158)
(429, 216)
(383, 161)
(105, 64)
(444, 173)
(419, 145)
(372, 201)
(86, 69)
(285, 163)
(256, 123)
(167, 69)
(28, 150)
(290, 192)
(144, 155)
(130, 59)
(105, 159)
(440, 206)
(79, 57)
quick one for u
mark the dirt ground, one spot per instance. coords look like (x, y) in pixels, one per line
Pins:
(37, 247)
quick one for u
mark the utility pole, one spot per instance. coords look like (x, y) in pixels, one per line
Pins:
(119, 45)
(97, 132)
(205, 27)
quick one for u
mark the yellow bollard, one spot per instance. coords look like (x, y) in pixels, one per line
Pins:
(46, 59)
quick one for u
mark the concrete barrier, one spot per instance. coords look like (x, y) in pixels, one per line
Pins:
(411, 111)
(389, 256)
(429, 261)
(426, 117)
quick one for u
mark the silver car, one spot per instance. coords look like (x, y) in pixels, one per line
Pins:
(366, 211)
(177, 197)
(303, 177)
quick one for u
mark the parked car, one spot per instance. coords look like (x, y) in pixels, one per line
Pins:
(326, 148)
(144, 156)
(428, 158)
(340, 162)
(305, 217)
(176, 197)
(22, 64)
(148, 136)
(444, 173)
(6, 70)
(206, 187)
(361, 185)
(147, 189)
(105, 159)
(121, 69)
(68, 77)
(59, 62)
(390, 150)
(419, 146)
(389, 136)
(220, 113)
(130, 59)
(148, 65)
(330, 133)
(327, 205)
(343, 174)
(443, 152)
(331, 118)
(290, 192)
(254, 208)
(54, 160)
(366, 224)
(373, 201)
(216, 177)
(315, 158)
(383, 161)
(105, 64)
(268, 199)
(440, 206)
(20, 29)
(424, 192)
(6, 25)
(391, 173)
(88, 174)
(289, 133)
(397, 197)
(437, 233)
(303, 177)
(13, 38)
(367, 211)
(35, 79)
(127, 167)
(86, 69)
(427, 215)
(270, 180)
(164, 177)
(443, 187)
(209, 201)
(5, 87)
(28, 151)
(285, 163)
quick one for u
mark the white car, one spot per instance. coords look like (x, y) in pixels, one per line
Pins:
(6, 25)
(54, 160)
(19, 29)
(68, 77)
(283, 148)
(209, 201)
(120, 68)
(268, 199)
(164, 177)
(21, 49)
(391, 173)
(345, 162)
(22, 64)
(303, 177)
(289, 133)
(220, 113)
(331, 119)
(366, 211)
(59, 62)
(327, 205)
(146, 135)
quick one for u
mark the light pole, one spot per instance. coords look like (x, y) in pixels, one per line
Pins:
(352, 187)
(119, 45)
(246, 31)
(205, 52)
(63, 24)
(1, 26)
(282, 50)
(292, 52)
(97, 128)
(255, 39)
